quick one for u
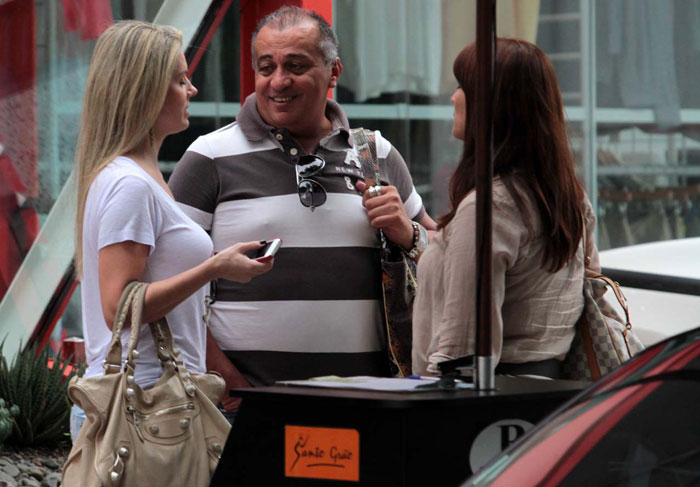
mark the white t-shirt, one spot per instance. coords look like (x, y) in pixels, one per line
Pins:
(124, 203)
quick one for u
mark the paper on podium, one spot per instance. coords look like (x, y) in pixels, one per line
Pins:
(368, 383)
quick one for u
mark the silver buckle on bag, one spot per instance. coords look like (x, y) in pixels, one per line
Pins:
(117, 470)
(111, 368)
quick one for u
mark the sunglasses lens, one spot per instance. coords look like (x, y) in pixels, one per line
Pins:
(309, 165)
(311, 193)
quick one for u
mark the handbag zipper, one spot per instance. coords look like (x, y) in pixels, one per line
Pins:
(174, 409)
(138, 417)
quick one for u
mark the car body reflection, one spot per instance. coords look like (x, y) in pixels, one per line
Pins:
(637, 426)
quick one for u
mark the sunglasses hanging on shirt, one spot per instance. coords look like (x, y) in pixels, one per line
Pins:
(311, 193)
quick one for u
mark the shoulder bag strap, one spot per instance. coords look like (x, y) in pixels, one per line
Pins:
(169, 354)
(132, 299)
(582, 324)
(589, 274)
(621, 299)
(136, 320)
(366, 146)
(113, 361)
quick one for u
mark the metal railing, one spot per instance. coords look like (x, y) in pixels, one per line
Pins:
(654, 282)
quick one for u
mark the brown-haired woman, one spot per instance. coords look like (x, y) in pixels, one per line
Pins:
(540, 218)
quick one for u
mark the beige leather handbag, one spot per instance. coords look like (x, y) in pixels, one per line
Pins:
(171, 434)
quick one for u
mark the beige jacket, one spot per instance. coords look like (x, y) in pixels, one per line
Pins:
(533, 310)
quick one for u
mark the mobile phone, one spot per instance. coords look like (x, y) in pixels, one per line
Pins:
(267, 251)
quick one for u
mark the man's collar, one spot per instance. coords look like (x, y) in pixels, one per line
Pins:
(250, 121)
(256, 129)
(339, 121)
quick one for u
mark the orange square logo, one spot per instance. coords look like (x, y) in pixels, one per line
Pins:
(322, 453)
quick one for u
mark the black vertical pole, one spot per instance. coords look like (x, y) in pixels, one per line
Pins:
(485, 60)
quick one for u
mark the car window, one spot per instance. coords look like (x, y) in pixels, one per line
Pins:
(642, 431)
(656, 444)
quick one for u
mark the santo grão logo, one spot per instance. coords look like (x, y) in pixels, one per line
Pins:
(322, 453)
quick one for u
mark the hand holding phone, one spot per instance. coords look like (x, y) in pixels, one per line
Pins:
(267, 251)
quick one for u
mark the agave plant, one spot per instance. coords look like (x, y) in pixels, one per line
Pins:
(38, 388)
(7, 413)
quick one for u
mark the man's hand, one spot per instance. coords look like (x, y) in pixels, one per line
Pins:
(218, 361)
(386, 211)
(234, 380)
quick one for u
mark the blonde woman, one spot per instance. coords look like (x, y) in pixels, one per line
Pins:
(128, 224)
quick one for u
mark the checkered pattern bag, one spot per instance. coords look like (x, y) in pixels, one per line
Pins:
(603, 339)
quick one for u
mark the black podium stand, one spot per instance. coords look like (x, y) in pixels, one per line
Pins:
(293, 436)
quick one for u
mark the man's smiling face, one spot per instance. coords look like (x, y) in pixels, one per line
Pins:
(291, 78)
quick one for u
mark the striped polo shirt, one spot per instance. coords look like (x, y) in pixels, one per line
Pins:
(317, 312)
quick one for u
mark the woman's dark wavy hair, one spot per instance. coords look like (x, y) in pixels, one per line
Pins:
(530, 144)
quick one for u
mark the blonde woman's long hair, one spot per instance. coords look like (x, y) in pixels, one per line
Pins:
(131, 68)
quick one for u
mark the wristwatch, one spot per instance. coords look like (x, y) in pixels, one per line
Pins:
(420, 240)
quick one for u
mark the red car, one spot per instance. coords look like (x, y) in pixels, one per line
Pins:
(637, 426)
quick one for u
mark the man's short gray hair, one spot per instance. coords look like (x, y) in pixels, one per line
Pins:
(291, 16)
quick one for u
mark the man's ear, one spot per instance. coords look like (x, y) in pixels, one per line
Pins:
(336, 69)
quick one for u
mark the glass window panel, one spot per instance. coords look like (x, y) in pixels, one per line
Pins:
(217, 78)
(397, 78)
(646, 72)
(39, 120)
(42, 79)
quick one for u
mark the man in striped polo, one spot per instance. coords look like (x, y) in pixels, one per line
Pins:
(286, 168)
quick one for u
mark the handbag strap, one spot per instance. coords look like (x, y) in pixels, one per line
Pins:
(132, 300)
(113, 361)
(136, 319)
(621, 299)
(366, 146)
(583, 324)
(615, 286)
